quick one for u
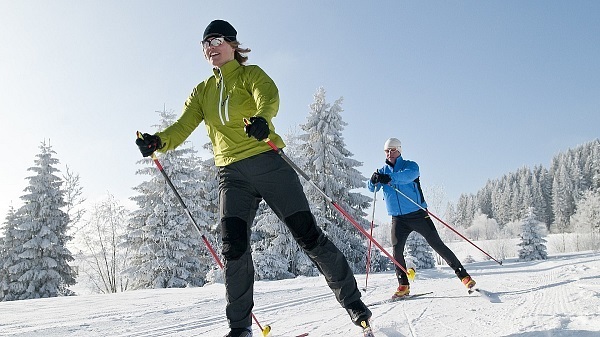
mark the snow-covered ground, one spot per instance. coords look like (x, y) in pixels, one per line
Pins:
(556, 297)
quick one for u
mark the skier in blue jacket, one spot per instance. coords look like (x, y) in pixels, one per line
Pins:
(408, 212)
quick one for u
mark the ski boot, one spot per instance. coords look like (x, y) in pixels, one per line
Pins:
(358, 312)
(367, 331)
(402, 291)
(240, 332)
(468, 282)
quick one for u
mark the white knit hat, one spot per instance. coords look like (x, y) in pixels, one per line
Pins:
(392, 143)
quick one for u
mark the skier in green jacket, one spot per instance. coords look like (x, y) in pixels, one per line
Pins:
(250, 171)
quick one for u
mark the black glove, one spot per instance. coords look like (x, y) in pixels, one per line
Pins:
(148, 144)
(384, 178)
(380, 178)
(258, 128)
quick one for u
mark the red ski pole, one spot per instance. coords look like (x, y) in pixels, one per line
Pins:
(445, 224)
(210, 248)
(369, 245)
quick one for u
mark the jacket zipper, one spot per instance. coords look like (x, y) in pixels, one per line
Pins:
(223, 115)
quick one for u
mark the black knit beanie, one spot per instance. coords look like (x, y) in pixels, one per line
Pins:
(220, 28)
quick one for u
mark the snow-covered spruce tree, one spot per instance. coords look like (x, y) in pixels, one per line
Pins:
(331, 167)
(7, 253)
(166, 251)
(39, 264)
(562, 200)
(420, 251)
(209, 189)
(532, 243)
(272, 246)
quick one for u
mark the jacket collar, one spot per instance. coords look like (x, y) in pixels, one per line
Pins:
(227, 68)
(398, 159)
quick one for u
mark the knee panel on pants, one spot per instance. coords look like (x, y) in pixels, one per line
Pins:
(304, 229)
(234, 233)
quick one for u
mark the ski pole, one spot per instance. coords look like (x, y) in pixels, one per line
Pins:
(369, 245)
(267, 328)
(445, 224)
(331, 201)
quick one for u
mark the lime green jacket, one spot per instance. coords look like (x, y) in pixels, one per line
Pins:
(223, 101)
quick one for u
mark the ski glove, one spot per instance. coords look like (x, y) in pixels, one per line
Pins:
(380, 178)
(148, 144)
(258, 128)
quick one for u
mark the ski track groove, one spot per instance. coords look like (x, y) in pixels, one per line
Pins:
(151, 330)
(293, 302)
(395, 330)
(544, 301)
(411, 328)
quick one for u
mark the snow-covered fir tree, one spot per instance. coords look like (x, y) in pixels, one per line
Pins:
(7, 253)
(166, 250)
(209, 190)
(331, 167)
(420, 251)
(37, 263)
(272, 246)
(532, 243)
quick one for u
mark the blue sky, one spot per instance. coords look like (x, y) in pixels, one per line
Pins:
(473, 89)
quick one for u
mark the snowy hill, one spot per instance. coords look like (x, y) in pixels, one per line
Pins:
(556, 297)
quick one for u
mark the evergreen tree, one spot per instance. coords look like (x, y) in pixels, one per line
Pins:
(562, 200)
(166, 250)
(331, 167)
(208, 186)
(272, 246)
(209, 198)
(7, 253)
(420, 251)
(37, 263)
(543, 196)
(532, 243)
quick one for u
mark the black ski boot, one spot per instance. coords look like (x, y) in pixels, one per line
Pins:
(359, 313)
(239, 332)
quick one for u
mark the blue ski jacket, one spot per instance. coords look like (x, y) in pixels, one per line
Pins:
(405, 177)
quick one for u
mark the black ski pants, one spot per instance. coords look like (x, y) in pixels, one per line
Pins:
(242, 185)
(420, 222)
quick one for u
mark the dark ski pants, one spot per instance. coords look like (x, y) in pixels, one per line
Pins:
(420, 222)
(242, 185)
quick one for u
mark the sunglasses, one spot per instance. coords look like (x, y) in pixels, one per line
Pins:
(392, 150)
(214, 42)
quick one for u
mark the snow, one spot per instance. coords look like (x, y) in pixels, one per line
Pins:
(555, 297)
